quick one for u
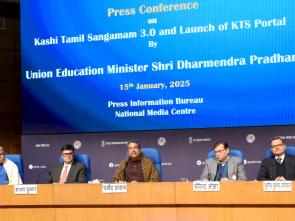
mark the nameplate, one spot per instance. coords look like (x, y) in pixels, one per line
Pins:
(277, 186)
(114, 188)
(206, 186)
(26, 189)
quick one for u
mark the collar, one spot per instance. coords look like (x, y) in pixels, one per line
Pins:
(224, 162)
(282, 157)
(68, 164)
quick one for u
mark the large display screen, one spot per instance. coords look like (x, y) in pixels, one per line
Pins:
(118, 65)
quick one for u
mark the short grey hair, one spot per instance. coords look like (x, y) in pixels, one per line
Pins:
(2, 148)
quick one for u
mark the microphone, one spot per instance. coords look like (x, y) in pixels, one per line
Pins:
(234, 175)
(41, 173)
(271, 175)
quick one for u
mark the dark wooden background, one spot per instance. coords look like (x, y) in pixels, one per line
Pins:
(10, 79)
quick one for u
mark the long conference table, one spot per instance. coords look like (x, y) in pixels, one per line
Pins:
(147, 201)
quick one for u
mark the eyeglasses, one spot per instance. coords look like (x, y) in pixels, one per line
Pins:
(278, 145)
(218, 151)
(2, 154)
(67, 154)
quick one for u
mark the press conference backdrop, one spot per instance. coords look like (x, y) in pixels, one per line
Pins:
(183, 151)
(176, 75)
(98, 66)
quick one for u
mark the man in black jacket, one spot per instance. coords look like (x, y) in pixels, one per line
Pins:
(280, 166)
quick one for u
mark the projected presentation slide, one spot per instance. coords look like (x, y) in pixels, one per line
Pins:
(118, 65)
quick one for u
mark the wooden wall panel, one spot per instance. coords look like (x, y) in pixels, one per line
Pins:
(10, 88)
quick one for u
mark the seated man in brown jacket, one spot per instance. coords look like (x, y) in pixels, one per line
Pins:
(136, 167)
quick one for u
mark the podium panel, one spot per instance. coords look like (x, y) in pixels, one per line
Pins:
(147, 201)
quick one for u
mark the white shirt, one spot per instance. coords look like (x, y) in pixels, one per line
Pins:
(12, 172)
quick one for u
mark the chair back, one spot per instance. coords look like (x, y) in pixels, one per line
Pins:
(154, 155)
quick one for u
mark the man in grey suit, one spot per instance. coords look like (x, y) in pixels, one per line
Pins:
(69, 171)
(223, 167)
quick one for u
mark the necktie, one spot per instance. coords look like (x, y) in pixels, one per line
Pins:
(279, 159)
(64, 175)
